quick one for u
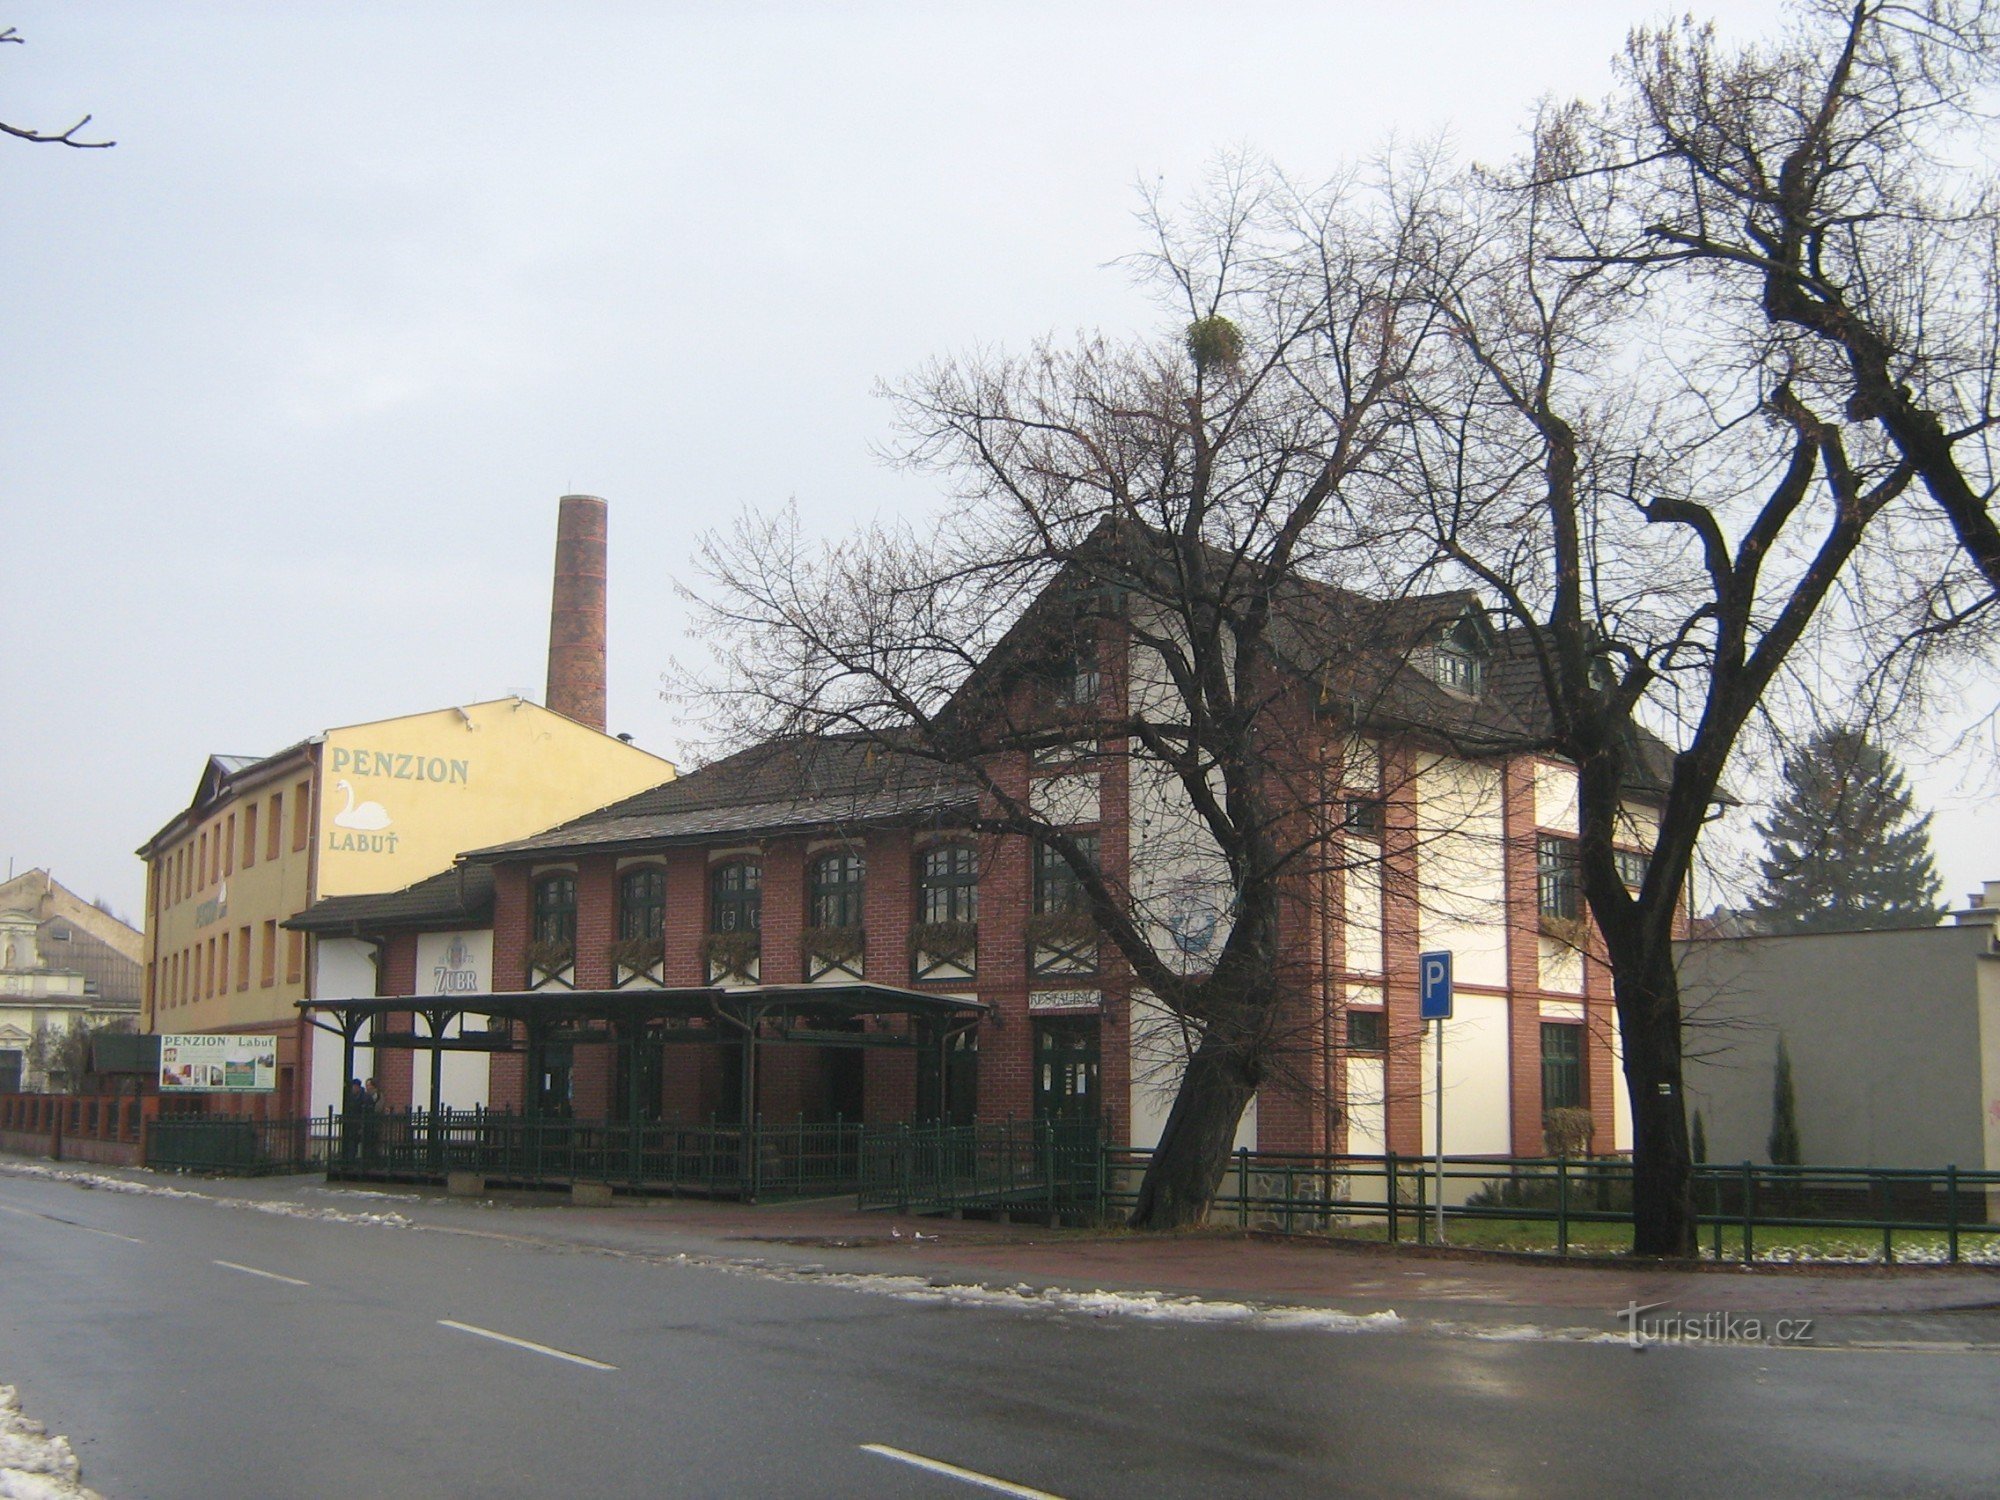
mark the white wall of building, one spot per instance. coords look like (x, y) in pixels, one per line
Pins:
(343, 968)
(1158, 1058)
(1461, 874)
(1477, 1111)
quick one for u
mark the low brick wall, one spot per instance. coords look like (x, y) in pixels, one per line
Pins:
(105, 1129)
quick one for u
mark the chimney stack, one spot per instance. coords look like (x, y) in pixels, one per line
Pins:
(576, 612)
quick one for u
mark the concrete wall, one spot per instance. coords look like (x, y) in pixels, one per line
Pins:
(1885, 1036)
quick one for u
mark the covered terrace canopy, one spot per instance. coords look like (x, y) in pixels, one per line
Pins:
(799, 1015)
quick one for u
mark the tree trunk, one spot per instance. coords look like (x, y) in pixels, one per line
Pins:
(1649, 1021)
(1193, 1153)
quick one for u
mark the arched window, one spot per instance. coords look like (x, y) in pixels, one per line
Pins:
(837, 884)
(948, 884)
(555, 910)
(736, 896)
(642, 904)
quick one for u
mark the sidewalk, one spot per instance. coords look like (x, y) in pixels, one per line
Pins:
(1467, 1293)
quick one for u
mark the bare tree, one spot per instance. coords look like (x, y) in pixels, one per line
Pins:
(1140, 573)
(1713, 429)
(42, 137)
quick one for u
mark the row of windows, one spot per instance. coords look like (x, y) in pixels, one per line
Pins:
(204, 970)
(1562, 1054)
(213, 853)
(836, 890)
(1557, 892)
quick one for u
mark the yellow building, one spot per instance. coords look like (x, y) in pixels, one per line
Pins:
(364, 808)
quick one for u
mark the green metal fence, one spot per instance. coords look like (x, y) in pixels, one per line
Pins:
(763, 1160)
(235, 1146)
(1038, 1168)
(1946, 1211)
(1066, 1172)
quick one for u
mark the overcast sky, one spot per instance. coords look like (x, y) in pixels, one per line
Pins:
(295, 373)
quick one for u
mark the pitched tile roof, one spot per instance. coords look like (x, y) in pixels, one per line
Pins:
(462, 895)
(783, 786)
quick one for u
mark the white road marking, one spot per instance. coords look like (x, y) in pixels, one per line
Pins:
(508, 1338)
(953, 1471)
(109, 1234)
(231, 1265)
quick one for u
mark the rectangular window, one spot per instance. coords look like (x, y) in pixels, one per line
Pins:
(948, 883)
(274, 825)
(1631, 867)
(1057, 890)
(837, 884)
(1362, 818)
(243, 958)
(201, 861)
(222, 968)
(295, 957)
(301, 815)
(1367, 1031)
(270, 955)
(208, 973)
(642, 905)
(555, 911)
(229, 847)
(1555, 877)
(1562, 1065)
(250, 835)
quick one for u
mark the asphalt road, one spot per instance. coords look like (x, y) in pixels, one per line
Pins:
(191, 1350)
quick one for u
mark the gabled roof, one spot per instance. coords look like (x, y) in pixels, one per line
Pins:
(792, 785)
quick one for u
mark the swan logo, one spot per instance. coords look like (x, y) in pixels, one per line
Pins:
(365, 825)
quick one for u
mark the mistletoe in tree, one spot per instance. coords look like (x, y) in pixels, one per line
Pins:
(1845, 848)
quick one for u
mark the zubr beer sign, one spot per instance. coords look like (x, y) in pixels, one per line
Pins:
(191, 1063)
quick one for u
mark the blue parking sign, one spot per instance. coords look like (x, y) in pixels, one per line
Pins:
(1434, 986)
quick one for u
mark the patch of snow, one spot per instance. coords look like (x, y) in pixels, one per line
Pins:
(281, 1207)
(34, 1465)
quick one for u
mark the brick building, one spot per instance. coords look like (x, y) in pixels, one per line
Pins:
(835, 862)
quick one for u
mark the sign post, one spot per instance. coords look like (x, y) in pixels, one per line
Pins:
(1434, 1006)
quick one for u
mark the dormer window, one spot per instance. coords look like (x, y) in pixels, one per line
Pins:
(1458, 661)
(1459, 670)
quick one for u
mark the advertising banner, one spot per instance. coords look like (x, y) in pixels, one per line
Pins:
(194, 1064)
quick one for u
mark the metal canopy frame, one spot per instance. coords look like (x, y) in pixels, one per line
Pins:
(752, 1016)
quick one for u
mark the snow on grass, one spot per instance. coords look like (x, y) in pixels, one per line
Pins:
(34, 1465)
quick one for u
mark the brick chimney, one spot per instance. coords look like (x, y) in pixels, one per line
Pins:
(576, 612)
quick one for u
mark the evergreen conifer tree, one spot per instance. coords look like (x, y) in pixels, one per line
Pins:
(1845, 848)
(1783, 1144)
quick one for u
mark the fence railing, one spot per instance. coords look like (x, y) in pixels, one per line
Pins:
(1066, 1171)
(1735, 1205)
(1038, 1167)
(800, 1159)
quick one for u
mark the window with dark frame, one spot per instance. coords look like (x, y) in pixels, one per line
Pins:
(1562, 1065)
(1073, 679)
(1361, 818)
(1367, 1031)
(1631, 867)
(838, 886)
(736, 896)
(642, 904)
(948, 884)
(1459, 670)
(1555, 877)
(555, 910)
(1057, 890)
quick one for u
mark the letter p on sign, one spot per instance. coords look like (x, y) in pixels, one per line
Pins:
(1434, 986)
